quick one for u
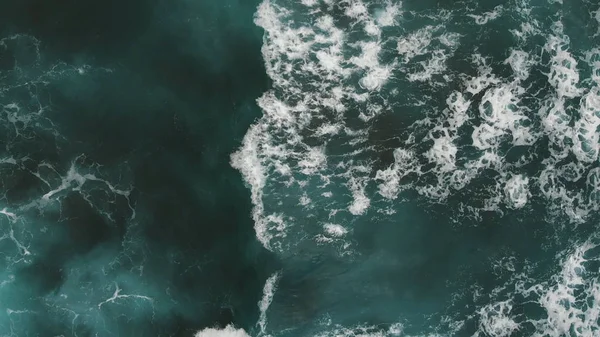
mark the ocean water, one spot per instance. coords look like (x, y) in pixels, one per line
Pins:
(121, 215)
(314, 168)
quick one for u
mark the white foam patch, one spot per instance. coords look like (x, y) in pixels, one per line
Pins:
(375, 74)
(435, 65)
(404, 164)
(387, 17)
(517, 191)
(443, 153)
(563, 74)
(335, 234)
(592, 57)
(596, 15)
(395, 329)
(500, 109)
(335, 230)
(566, 303)
(571, 299)
(521, 63)
(425, 42)
(228, 331)
(416, 43)
(458, 105)
(485, 77)
(360, 202)
(496, 320)
(309, 3)
(586, 142)
(487, 16)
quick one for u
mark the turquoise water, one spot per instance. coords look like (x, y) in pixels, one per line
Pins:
(300, 168)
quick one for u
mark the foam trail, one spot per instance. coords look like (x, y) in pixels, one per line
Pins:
(488, 16)
(246, 160)
(263, 305)
(265, 302)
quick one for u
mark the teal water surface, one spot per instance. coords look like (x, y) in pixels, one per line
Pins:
(123, 215)
(299, 168)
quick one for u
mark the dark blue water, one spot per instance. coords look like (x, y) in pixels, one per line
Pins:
(299, 168)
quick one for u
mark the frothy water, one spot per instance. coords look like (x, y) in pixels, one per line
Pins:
(411, 168)
(228, 331)
(485, 116)
(337, 70)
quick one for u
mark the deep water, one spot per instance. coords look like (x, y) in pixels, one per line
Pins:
(148, 99)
